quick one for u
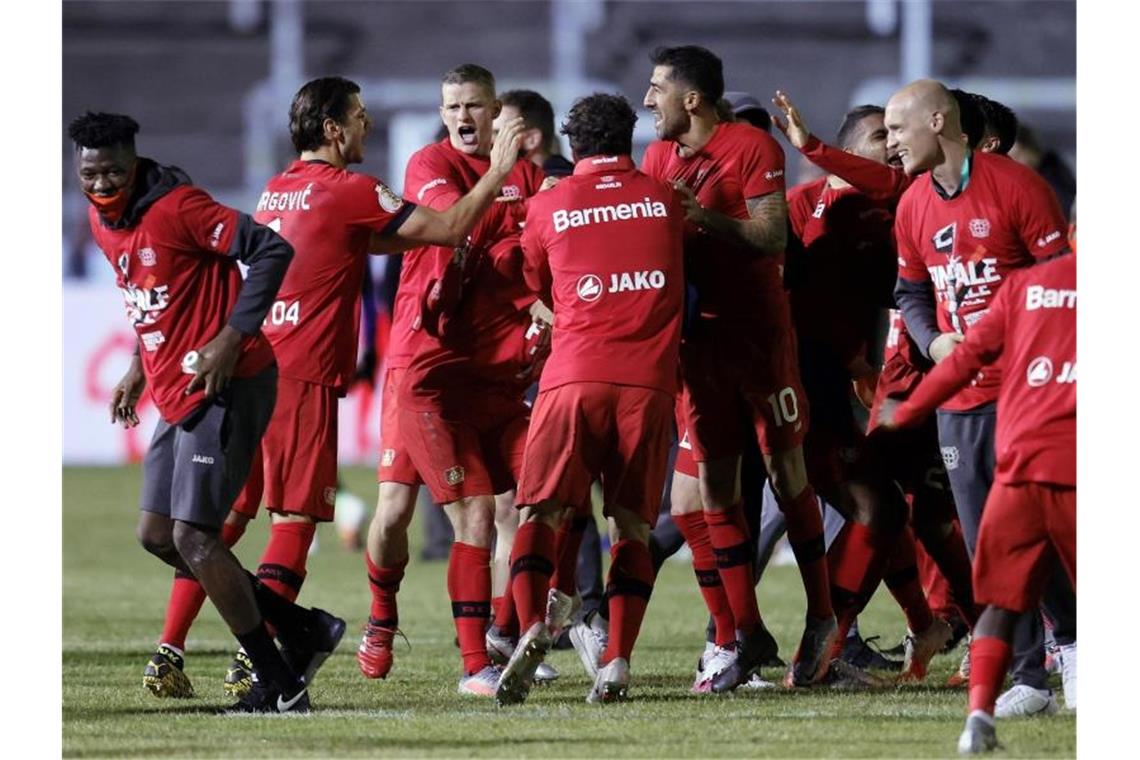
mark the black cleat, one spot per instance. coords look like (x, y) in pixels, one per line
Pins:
(863, 655)
(163, 676)
(753, 651)
(307, 649)
(239, 675)
(263, 698)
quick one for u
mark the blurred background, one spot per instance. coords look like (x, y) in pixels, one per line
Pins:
(210, 83)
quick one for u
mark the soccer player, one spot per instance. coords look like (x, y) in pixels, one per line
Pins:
(461, 417)
(1030, 519)
(539, 143)
(738, 352)
(605, 246)
(212, 376)
(959, 231)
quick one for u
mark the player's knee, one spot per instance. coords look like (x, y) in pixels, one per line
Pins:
(194, 544)
(473, 520)
(788, 473)
(155, 536)
(625, 525)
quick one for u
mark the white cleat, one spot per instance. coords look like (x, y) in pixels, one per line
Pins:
(518, 676)
(920, 648)
(590, 638)
(481, 684)
(499, 647)
(978, 736)
(756, 683)
(1068, 655)
(560, 610)
(611, 684)
(545, 673)
(710, 664)
(1022, 700)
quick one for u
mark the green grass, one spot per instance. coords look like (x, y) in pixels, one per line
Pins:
(115, 595)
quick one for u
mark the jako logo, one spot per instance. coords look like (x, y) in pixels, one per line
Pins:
(564, 220)
(589, 287)
(202, 459)
(1040, 372)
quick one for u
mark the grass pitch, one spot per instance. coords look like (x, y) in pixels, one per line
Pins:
(115, 595)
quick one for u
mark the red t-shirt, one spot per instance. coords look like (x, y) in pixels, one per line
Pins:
(733, 282)
(179, 286)
(328, 215)
(485, 347)
(1031, 330)
(604, 248)
(1006, 218)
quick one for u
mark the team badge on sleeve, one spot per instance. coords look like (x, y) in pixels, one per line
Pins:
(389, 201)
(453, 476)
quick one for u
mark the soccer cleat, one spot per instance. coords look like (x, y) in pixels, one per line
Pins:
(961, 677)
(163, 676)
(1022, 700)
(710, 664)
(560, 610)
(545, 673)
(979, 734)
(756, 683)
(262, 698)
(753, 650)
(499, 646)
(518, 676)
(611, 684)
(306, 650)
(374, 655)
(921, 648)
(590, 638)
(1068, 655)
(810, 663)
(959, 631)
(481, 684)
(239, 675)
(862, 654)
(843, 676)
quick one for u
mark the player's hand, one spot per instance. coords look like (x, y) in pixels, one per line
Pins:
(943, 345)
(505, 150)
(215, 363)
(548, 183)
(886, 419)
(541, 314)
(794, 128)
(694, 211)
(126, 394)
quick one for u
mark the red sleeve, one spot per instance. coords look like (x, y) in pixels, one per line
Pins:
(1040, 223)
(430, 180)
(206, 224)
(871, 178)
(761, 164)
(983, 345)
(370, 203)
(536, 265)
(911, 264)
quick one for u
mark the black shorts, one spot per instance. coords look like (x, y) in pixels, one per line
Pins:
(194, 470)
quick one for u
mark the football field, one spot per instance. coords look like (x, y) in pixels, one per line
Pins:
(115, 595)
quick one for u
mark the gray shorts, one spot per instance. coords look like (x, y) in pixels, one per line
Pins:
(194, 470)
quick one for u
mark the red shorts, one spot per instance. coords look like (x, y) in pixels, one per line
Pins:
(730, 371)
(395, 463)
(1024, 527)
(582, 432)
(685, 464)
(299, 450)
(478, 453)
(249, 499)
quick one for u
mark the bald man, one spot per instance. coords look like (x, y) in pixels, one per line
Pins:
(960, 231)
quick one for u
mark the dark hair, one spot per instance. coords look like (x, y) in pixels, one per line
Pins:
(600, 124)
(970, 114)
(470, 72)
(320, 99)
(851, 122)
(103, 130)
(1000, 121)
(696, 66)
(536, 111)
(757, 117)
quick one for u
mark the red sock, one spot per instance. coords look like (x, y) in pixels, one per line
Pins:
(949, 552)
(901, 579)
(469, 586)
(532, 565)
(856, 562)
(628, 589)
(282, 567)
(728, 534)
(187, 597)
(696, 533)
(805, 534)
(989, 659)
(506, 619)
(384, 582)
(567, 542)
